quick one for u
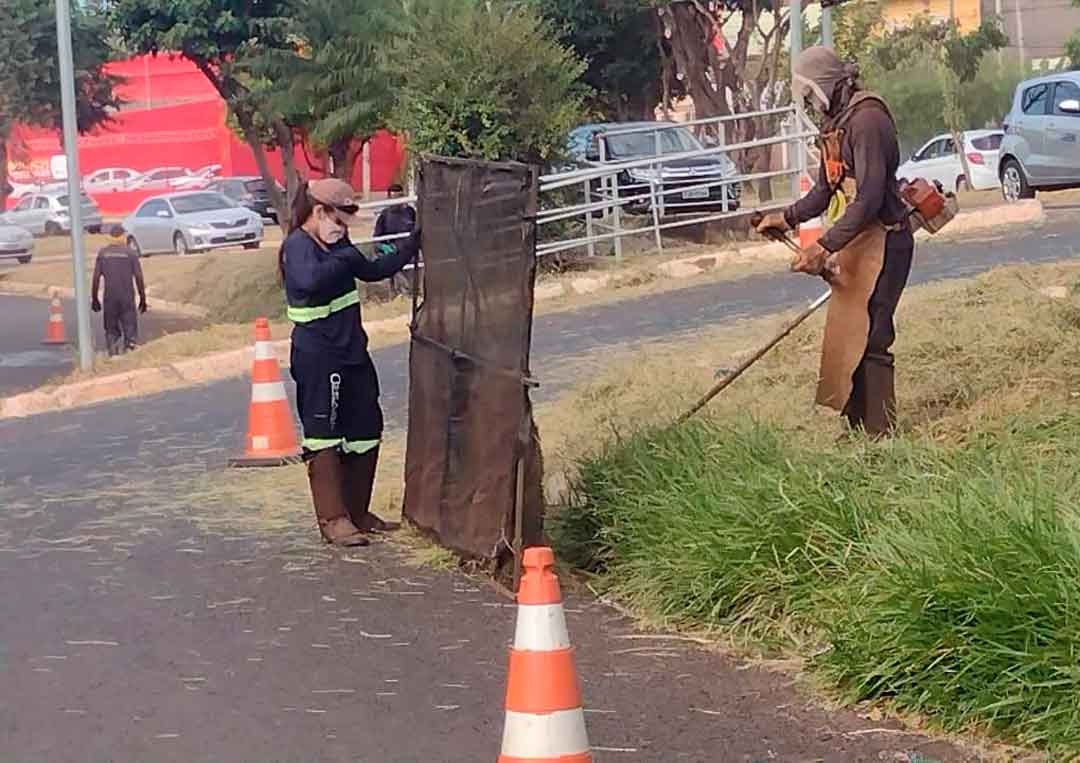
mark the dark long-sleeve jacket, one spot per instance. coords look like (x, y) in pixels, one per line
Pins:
(397, 219)
(870, 153)
(320, 288)
(119, 267)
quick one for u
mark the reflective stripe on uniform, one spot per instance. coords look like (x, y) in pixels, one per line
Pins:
(308, 314)
(320, 443)
(359, 446)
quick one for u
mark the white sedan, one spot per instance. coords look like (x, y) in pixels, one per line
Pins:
(16, 243)
(938, 160)
(197, 221)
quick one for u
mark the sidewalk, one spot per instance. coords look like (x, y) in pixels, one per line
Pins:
(133, 635)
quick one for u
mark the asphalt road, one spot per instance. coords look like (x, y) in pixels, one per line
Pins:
(138, 624)
(26, 363)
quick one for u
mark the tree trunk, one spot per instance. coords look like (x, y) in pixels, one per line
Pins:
(696, 60)
(4, 192)
(283, 136)
(253, 139)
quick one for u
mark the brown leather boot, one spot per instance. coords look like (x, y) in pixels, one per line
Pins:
(359, 484)
(880, 393)
(326, 475)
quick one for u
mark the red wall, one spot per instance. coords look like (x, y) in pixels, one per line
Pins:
(185, 125)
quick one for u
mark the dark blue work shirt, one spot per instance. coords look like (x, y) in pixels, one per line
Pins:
(320, 288)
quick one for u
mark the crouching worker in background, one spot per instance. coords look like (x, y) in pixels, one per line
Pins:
(337, 389)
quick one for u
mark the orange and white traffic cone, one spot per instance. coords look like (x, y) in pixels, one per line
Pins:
(811, 230)
(54, 327)
(545, 721)
(271, 433)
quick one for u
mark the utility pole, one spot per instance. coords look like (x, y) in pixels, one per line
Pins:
(997, 17)
(74, 181)
(826, 26)
(795, 24)
(1020, 32)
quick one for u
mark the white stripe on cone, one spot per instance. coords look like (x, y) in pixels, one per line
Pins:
(267, 392)
(264, 351)
(545, 735)
(541, 628)
(56, 318)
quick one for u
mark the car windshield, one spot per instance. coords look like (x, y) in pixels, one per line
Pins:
(255, 186)
(202, 202)
(638, 144)
(83, 198)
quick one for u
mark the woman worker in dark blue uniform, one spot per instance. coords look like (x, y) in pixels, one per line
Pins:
(337, 390)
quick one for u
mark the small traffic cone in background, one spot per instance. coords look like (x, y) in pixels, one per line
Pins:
(271, 433)
(545, 721)
(54, 327)
(811, 230)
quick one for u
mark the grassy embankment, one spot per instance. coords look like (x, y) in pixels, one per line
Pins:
(939, 571)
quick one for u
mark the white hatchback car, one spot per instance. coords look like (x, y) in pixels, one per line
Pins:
(938, 160)
(196, 221)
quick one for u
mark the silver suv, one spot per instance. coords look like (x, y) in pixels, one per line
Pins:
(1041, 149)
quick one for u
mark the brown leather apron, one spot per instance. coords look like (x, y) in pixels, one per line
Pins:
(847, 320)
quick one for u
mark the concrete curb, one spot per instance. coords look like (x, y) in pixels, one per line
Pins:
(147, 381)
(223, 365)
(20, 288)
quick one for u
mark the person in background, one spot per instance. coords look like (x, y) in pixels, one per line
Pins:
(118, 265)
(399, 218)
(337, 389)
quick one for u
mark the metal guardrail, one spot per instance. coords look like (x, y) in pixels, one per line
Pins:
(610, 190)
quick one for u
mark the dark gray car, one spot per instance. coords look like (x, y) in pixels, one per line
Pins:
(247, 191)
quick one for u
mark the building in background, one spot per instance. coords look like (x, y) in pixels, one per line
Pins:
(172, 117)
(1037, 29)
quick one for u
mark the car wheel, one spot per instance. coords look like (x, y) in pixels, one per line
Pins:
(52, 229)
(1014, 184)
(180, 245)
(251, 246)
(24, 260)
(95, 229)
(133, 245)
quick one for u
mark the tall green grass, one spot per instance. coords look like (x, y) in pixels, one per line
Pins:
(946, 579)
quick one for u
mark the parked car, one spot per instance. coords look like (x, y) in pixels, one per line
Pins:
(49, 214)
(250, 192)
(162, 178)
(111, 179)
(194, 221)
(938, 160)
(677, 180)
(1041, 149)
(18, 190)
(16, 243)
(197, 179)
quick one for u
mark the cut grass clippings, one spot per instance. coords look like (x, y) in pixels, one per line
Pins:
(938, 571)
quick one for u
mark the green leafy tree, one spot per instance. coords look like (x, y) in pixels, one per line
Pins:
(30, 75)
(1072, 46)
(216, 36)
(331, 84)
(956, 58)
(484, 79)
(626, 60)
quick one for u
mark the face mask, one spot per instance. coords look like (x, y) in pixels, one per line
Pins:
(330, 230)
